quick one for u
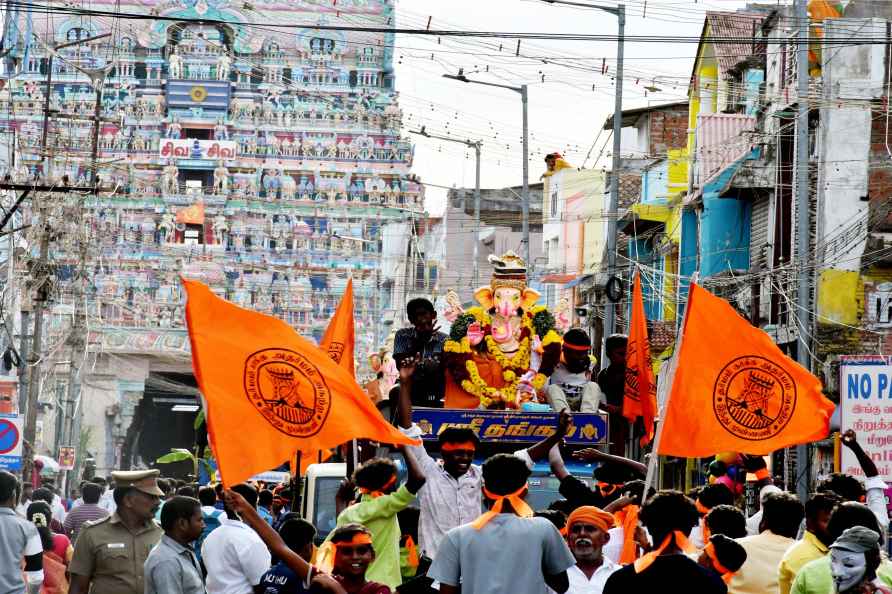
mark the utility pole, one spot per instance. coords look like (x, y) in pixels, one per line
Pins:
(803, 227)
(525, 193)
(613, 205)
(476, 146)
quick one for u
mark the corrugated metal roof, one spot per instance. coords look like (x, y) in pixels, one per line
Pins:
(721, 140)
(737, 32)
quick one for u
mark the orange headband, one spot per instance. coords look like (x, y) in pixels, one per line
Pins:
(726, 573)
(577, 347)
(378, 492)
(451, 446)
(520, 506)
(681, 541)
(359, 538)
(608, 489)
(592, 515)
(701, 509)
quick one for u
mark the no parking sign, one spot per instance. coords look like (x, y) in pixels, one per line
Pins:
(10, 442)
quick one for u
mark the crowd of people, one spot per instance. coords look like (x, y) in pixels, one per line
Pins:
(454, 525)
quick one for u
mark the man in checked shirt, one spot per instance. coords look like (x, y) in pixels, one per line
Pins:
(452, 494)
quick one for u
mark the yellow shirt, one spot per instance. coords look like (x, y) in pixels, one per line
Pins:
(758, 575)
(806, 550)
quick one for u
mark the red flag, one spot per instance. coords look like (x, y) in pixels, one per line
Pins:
(640, 395)
(269, 392)
(339, 340)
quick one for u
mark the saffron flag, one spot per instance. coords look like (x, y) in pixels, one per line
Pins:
(733, 389)
(339, 340)
(640, 394)
(269, 392)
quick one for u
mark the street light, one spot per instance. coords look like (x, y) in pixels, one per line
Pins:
(525, 202)
(620, 12)
(476, 146)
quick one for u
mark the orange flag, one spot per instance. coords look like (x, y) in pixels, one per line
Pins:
(269, 392)
(640, 396)
(339, 340)
(733, 389)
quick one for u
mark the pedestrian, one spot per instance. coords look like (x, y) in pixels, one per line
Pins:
(854, 559)
(167, 486)
(171, 567)
(39, 514)
(354, 556)
(107, 499)
(422, 344)
(612, 381)
(723, 555)
(611, 474)
(669, 517)
(213, 517)
(782, 514)
(380, 502)
(571, 387)
(872, 492)
(816, 576)
(233, 554)
(505, 550)
(707, 498)
(752, 523)
(265, 504)
(280, 579)
(451, 495)
(47, 496)
(726, 520)
(24, 499)
(814, 544)
(88, 511)
(57, 549)
(627, 538)
(587, 533)
(110, 553)
(320, 582)
(21, 550)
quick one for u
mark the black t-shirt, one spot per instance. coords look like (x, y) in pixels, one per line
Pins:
(612, 382)
(282, 580)
(669, 574)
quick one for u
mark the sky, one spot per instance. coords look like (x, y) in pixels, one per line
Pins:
(571, 91)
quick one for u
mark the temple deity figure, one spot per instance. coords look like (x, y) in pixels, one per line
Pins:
(224, 63)
(170, 179)
(174, 129)
(175, 64)
(220, 131)
(220, 228)
(221, 179)
(166, 227)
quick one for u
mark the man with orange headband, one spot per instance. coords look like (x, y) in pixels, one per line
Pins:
(668, 517)
(451, 495)
(723, 555)
(506, 550)
(381, 500)
(570, 387)
(587, 533)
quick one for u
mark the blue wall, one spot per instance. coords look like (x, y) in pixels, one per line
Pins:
(724, 235)
(655, 184)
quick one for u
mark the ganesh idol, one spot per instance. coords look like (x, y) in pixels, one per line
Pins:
(501, 352)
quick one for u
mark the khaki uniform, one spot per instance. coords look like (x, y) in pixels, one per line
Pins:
(113, 556)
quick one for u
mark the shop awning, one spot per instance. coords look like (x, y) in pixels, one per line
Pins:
(579, 279)
(556, 278)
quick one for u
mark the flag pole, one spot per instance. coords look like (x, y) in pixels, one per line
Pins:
(667, 388)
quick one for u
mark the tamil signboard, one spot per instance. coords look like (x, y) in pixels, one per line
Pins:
(10, 442)
(501, 426)
(194, 149)
(865, 401)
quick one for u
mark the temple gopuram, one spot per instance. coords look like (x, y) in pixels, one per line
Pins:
(254, 146)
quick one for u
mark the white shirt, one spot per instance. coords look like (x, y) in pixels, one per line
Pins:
(58, 509)
(580, 584)
(211, 510)
(107, 501)
(876, 500)
(235, 559)
(446, 502)
(614, 547)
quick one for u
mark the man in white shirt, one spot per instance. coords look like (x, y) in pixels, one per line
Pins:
(234, 556)
(587, 533)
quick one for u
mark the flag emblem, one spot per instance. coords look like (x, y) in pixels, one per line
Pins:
(754, 398)
(276, 382)
(336, 351)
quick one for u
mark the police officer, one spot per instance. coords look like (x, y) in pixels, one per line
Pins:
(110, 553)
